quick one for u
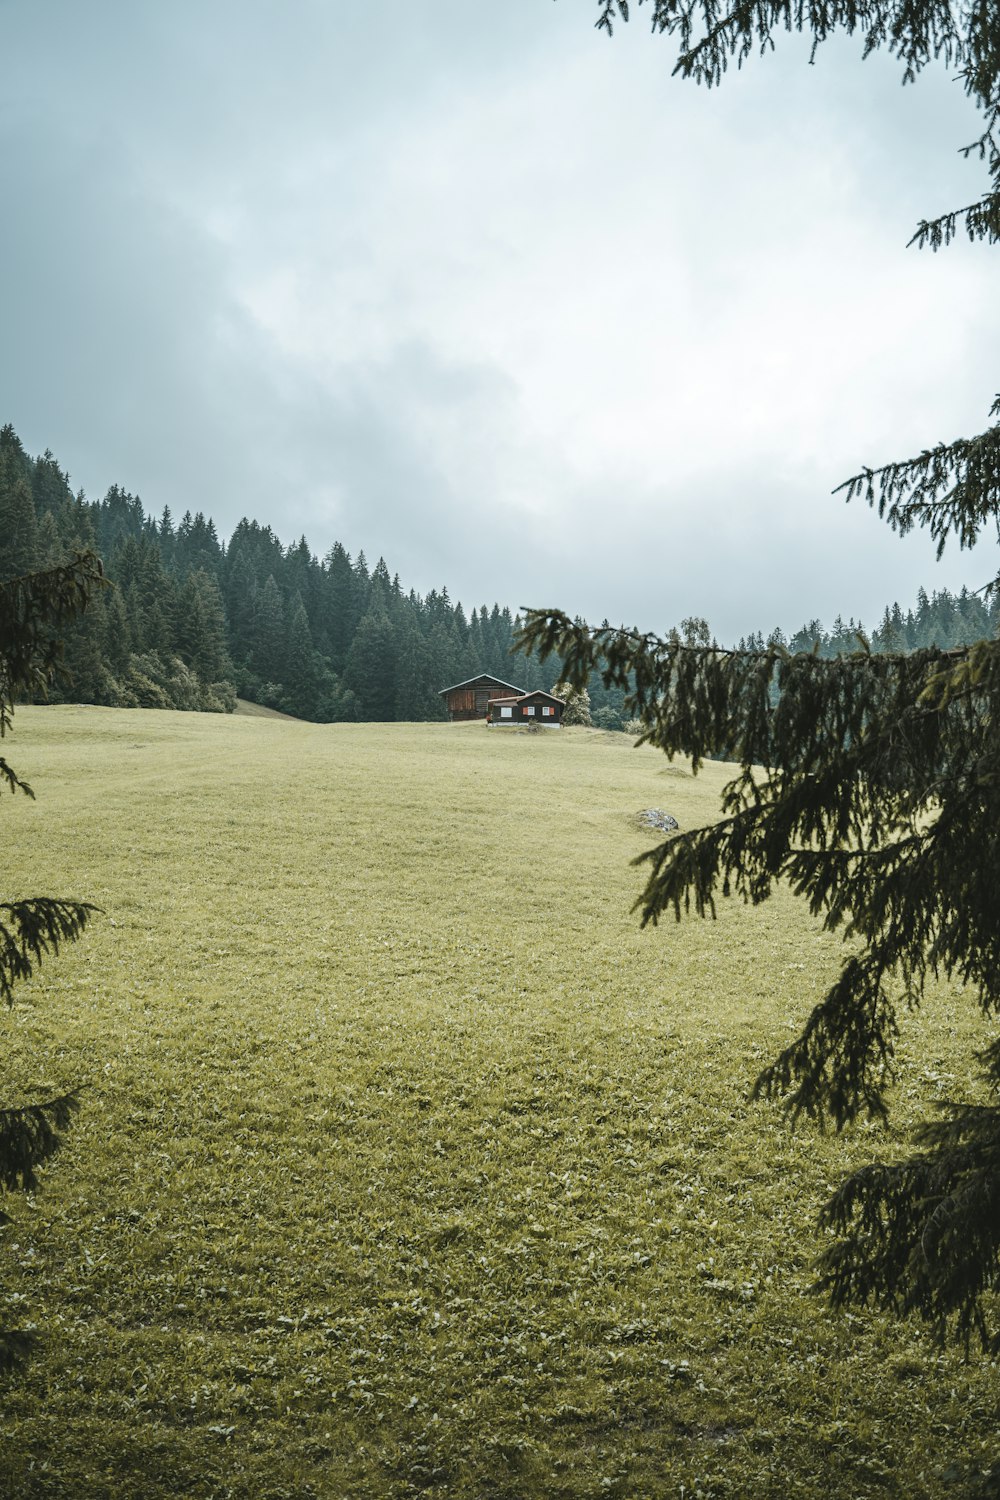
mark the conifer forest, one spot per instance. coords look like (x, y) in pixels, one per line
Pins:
(194, 620)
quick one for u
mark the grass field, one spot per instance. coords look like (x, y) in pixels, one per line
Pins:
(409, 1164)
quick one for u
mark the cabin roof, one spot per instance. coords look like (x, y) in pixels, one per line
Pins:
(483, 680)
(539, 694)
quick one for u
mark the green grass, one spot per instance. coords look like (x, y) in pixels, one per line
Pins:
(408, 1163)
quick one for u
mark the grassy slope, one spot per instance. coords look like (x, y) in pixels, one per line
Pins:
(408, 1163)
(257, 711)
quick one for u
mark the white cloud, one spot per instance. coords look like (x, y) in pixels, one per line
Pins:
(507, 283)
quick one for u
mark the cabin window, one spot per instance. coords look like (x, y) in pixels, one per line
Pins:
(547, 712)
(529, 708)
(505, 713)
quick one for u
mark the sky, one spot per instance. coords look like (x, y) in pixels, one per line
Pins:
(474, 288)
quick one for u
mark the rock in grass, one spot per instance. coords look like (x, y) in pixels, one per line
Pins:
(655, 817)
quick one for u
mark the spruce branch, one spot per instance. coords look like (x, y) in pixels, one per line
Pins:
(953, 488)
(860, 777)
(29, 1135)
(980, 220)
(14, 782)
(32, 608)
(710, 35)
(33, 928)
(610, 10)
(923, 1235)
(869, 784)
(842, 1062)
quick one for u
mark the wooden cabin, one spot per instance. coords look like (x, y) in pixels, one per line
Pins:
(472, 699)
(543, 709)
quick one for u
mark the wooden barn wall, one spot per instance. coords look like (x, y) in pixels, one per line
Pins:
(520, 716)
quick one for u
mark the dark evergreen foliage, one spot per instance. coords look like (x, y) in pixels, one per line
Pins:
(30, 929)
(33, 609)
(191, 621)
(870, 783)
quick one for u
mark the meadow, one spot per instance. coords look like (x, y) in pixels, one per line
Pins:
(407, 1163)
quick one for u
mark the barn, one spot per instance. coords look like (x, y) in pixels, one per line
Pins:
(471, 699)
(543, 709)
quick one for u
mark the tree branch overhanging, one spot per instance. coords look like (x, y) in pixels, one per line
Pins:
(864, 782)
(33, 608)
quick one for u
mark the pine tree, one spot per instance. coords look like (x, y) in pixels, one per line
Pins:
(18, 529)
(300, 677)
(810, 636)
(241, 603)
(869, 783)
(118, 644)
(196, 545)
(49, 485)
(439, 663)
(338, 618)
(136, 615)
(201, 627)
(32, 610)
(48, 543)
(413, 693)
(75, 520)
(267, 653)
(14, 461)
(118, 515)
(85, 675)
(303, 576)
(166, 536)
(370, 672)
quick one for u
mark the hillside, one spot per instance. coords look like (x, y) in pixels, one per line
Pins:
(249, 710)
(195, 619)
(412, 1165)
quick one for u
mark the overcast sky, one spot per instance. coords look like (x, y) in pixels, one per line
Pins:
(470, 286)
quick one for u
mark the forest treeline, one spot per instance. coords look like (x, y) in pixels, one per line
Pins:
(193, 622)
(941, 619)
